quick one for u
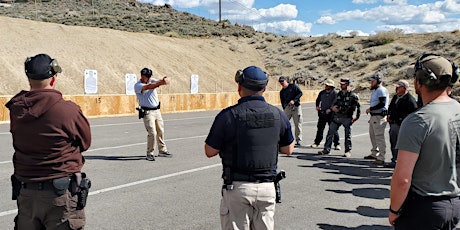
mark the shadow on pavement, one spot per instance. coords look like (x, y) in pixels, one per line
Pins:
(116, 158)
(362, 227)
(364, 211)
(355, 172)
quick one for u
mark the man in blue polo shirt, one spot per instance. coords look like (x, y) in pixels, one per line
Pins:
(248, 136)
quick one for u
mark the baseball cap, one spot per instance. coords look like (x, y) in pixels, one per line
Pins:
(436, 64)
(402, 83)
(281, 79)
(345, 81)
(378, 77)
(146, 72)
(41, 66)
(253, 78)
(329, 82)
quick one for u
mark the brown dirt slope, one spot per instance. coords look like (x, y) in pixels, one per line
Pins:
(114, 53)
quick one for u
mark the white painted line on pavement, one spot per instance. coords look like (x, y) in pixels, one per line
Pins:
(124, 146)
(153, 179)
(14, 211)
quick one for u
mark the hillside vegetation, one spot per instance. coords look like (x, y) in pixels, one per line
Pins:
(119, 37)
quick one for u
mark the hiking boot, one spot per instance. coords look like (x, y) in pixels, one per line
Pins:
(347, 154)
(379, 162)
(314, 146)
(164, 154)
(150, 157)
(337, 147)
(323, 152)
(370, 157)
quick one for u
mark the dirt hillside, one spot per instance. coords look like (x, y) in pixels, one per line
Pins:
(114, 53)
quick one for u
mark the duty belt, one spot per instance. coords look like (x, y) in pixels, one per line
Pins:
(147, 108)
(42, 185)
(376, 114)
(250, 178)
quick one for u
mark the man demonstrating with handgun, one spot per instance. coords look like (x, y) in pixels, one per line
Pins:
(248, 137)
(49, 136)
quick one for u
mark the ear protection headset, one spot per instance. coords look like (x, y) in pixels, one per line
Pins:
(246, 82)
(146, 72)
(53, 69)
(427, 77)
(378, 77)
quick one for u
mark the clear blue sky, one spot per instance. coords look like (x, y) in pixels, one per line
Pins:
(320, 17)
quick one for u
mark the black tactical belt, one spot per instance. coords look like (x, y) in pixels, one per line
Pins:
(376, 114)
(147, 108)
(44, 185)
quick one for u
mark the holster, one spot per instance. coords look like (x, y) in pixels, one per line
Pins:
(141, 112)
(80, 186)
(281, 175)
(15, 187)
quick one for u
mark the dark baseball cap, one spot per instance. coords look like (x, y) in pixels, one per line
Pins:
(281, 79)
(41, 66)
(146, 72)
(377, 77)
(345, 81)
(253, 78)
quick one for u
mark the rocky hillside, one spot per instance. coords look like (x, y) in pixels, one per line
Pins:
(120, 36)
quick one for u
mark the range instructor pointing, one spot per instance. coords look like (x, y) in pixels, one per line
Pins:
(149, 110)
(248, 136)
(49, 136)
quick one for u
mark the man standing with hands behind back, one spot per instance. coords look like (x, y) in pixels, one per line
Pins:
(290, 101)
(149, 103)
(425, 185)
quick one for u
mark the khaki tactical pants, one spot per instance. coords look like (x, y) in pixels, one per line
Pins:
(248, 206)
(377, 125)
(153, 122)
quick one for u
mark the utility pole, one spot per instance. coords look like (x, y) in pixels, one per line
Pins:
(220, 11)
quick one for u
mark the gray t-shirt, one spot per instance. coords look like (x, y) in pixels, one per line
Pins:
(375, 98)
(148, 98)
(434, 133)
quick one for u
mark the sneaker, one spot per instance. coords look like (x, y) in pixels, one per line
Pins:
(164, 154)
(150, 157)
(323, 152)
(370, 157)
(314, 146)
(298, 144)
(347, 154)
(379, 162)
(337, 147)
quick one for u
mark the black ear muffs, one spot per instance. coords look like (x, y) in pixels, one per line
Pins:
(249, 83)
(455, 73)
(239, 76)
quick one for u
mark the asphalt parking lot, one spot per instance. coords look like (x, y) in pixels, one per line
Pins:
(320, 192)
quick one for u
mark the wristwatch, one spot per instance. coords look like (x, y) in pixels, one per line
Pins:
(397, 212)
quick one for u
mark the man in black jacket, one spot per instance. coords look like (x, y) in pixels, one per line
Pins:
(290, 101)
(401, 105)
